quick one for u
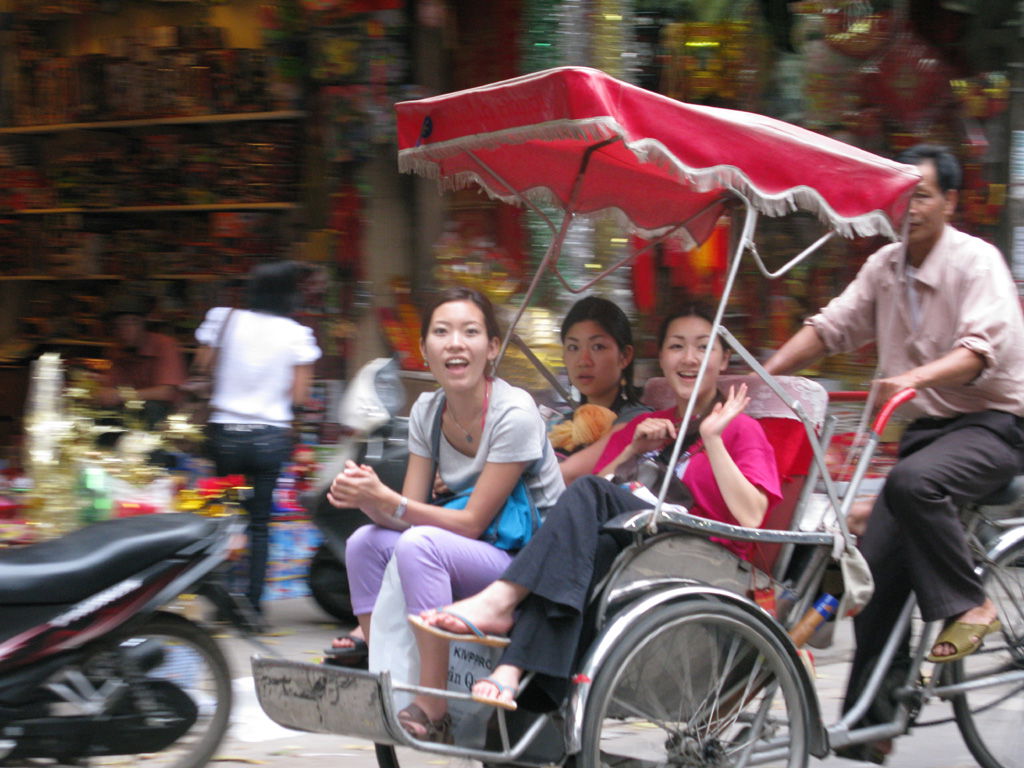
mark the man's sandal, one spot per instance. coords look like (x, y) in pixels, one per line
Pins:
(416, 723)
(497, 701)
(965, 638)
(870, 752)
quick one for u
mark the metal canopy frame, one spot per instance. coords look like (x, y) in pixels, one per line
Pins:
(840, 503)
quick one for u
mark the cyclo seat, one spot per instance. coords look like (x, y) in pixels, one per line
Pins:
(79, 564)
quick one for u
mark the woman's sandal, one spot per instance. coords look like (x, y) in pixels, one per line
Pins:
(416, 723)
(496, 701)
(357, 655)
(475, 634)
(965, 638)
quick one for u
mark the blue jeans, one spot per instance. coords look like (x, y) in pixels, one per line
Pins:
(256, 451)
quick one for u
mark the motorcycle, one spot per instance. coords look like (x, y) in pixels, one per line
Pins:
(92, 665)
(373, 434)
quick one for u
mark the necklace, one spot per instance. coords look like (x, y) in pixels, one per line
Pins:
(455, 421)
(483, 414)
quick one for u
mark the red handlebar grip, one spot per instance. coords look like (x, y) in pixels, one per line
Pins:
(894, 402)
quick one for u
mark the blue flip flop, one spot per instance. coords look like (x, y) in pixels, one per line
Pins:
(475, 635)
(494, 701)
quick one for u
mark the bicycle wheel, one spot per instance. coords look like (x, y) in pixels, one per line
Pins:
(696, 684)
(991, 719)
(177, 653)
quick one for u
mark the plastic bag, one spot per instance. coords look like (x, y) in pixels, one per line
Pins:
(393, 647)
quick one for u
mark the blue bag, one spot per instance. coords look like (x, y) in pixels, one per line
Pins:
(514, 525)
(517, 521)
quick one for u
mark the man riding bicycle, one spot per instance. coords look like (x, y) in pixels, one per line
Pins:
(946, 318)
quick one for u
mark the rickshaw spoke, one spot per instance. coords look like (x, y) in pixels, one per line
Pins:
(696, 685)
(720, 678)
(735, 707)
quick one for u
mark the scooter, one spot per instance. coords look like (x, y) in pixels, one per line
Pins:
(374, 434)
(92, 664)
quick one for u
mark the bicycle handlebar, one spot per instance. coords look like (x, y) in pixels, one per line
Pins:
(888, 408)
(894, 402)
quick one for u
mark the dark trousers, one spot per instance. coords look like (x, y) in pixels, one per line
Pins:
(915, 540)
(258, 452)
(567, 556)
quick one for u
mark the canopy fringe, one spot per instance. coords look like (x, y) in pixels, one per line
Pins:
(424, 161)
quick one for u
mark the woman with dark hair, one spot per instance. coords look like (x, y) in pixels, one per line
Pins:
(263, 366)
(728, 467)
(480, 435)
(597, 351)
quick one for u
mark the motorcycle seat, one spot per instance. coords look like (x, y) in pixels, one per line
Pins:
(83, 562)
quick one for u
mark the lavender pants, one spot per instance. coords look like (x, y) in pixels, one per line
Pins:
(436, 566)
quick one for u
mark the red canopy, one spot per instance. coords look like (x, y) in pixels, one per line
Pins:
(656, 161)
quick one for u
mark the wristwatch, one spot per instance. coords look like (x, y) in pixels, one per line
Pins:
(403, 504)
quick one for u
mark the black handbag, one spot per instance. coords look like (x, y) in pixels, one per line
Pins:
(650, 472)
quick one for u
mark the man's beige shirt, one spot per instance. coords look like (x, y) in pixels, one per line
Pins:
(968, 299)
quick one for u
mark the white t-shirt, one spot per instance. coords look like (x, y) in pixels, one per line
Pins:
(513, 431)
(255, 365)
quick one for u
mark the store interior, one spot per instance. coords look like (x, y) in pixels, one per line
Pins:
(164, 147)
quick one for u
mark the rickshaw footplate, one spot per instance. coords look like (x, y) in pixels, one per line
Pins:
(325, 699)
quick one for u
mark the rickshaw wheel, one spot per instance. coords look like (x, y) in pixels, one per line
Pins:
(696, 684)
(991, 719)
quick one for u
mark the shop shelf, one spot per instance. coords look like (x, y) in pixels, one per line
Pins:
(275, 206)
(233, 117)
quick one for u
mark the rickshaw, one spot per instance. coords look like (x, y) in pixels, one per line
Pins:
(688, 667)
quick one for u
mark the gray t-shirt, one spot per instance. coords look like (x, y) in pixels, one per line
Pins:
(513, 431)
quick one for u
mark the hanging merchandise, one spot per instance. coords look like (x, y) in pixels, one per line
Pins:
(341, 9)
(284, 32)
(539, 39)
(358, 57)
(613, 46)
(401, 327)
(855, 27)
(723, 60)
(979, 100)
(830, 78)
(469, 252)
(910, 81)
(346, 221)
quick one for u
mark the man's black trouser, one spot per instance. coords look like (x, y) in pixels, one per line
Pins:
(915, 540)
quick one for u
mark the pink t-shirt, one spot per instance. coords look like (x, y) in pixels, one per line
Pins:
(749, 448)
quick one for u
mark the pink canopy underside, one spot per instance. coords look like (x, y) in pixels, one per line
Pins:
(670, 162)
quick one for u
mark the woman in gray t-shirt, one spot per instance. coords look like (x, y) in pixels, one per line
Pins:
(491, 435)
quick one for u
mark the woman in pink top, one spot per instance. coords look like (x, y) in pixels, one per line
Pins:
(728, 467)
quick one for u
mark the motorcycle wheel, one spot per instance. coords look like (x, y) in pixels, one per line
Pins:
(328, 584)
(193, 662)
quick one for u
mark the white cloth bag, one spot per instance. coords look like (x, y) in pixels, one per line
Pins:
(393, 647)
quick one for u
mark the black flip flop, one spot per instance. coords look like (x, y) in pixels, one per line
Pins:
(356, 656)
